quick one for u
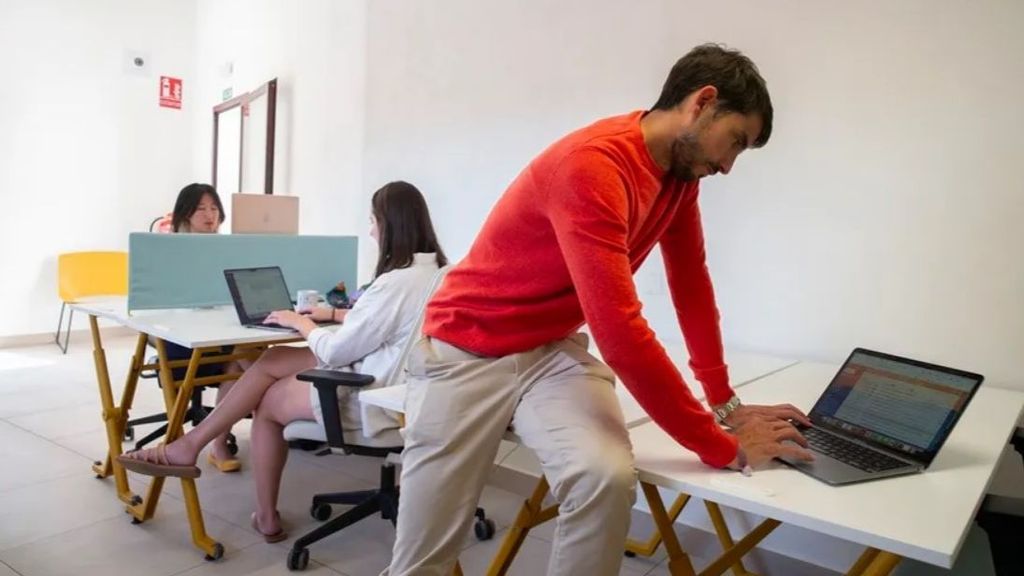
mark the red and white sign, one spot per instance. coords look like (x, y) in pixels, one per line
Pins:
(170, 92)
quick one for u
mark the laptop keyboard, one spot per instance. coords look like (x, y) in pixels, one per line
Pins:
(850, 453)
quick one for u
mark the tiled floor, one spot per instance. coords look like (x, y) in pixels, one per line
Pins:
(56, 518)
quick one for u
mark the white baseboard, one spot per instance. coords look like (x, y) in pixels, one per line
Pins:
(81, 337)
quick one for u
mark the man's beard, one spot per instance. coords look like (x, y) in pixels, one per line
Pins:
(686, 154)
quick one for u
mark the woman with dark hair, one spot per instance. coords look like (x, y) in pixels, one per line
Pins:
(198, 210)
(369, 341)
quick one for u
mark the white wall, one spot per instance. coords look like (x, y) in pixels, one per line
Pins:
(316, 49)
(884, 212)
(86, 154)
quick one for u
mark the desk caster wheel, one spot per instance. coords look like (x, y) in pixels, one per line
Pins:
(298, 558)
(136, 520)
(218, 553)
(484, 529)
(320, 512)
(630, 554)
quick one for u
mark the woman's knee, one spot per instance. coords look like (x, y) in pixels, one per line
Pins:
(284, 402)
(281, 361)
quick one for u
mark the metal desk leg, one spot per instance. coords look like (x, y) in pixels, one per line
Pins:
(531, 514)
(114, 417)
(741, 548)
(724, 536)
(650, 546)
(177, 400)
(679, 563)
(874, 562)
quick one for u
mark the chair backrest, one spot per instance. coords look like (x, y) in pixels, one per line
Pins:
(84, 274)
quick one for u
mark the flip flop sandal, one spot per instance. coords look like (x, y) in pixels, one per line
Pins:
(226, 465)
(159, 468)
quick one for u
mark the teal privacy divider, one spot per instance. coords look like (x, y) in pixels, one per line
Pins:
(187, 270)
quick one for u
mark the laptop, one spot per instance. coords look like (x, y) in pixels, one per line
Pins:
(883, 416)
(256, 292)
(264, 214)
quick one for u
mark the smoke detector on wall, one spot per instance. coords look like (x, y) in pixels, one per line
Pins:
(136, 63)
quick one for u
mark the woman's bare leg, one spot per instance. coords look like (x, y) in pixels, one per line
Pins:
(219, 446)
(286, 401)
(276, 363)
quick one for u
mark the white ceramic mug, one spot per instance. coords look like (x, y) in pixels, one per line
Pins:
(306, 300)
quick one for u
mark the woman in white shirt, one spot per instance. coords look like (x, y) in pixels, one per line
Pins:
(369, 340)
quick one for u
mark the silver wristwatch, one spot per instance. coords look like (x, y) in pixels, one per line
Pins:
(722, 411)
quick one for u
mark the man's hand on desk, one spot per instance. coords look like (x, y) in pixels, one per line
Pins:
(761, 439)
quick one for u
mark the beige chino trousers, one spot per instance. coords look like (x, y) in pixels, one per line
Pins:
(561, 402)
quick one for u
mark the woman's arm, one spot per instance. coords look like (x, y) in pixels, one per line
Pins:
(367, 326)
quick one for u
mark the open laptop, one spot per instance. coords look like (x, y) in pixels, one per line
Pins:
(264, 214)
(883, 416)
(257, 292)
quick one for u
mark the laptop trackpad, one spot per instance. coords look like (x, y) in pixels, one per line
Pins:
(827, 469)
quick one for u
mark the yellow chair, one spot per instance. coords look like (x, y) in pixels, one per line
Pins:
(86, 274)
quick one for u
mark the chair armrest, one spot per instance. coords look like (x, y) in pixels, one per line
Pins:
(335, 378)
(326, 383)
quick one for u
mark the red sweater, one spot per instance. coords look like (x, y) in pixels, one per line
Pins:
(560, 247)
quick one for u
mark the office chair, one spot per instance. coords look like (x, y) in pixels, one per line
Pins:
(383, 500)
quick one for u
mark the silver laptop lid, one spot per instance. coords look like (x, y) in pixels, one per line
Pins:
(898, 404)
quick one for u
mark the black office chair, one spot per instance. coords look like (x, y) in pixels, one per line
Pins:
(365, 503)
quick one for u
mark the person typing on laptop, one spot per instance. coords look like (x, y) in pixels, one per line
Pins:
(369, 341)
(559, 249)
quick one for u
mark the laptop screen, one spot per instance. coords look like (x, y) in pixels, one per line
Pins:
(258, 292)
(899, 404)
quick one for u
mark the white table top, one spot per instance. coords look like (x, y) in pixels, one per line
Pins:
(744, 368)
(188, 327)
(393, 398)
(111, 308)
(921, 516)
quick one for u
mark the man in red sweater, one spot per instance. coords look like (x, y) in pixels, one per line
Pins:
(559, 249)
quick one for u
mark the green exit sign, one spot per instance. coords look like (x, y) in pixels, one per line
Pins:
(226, 95)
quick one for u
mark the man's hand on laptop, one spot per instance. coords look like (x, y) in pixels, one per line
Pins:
(762, 439)
(784, 412)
